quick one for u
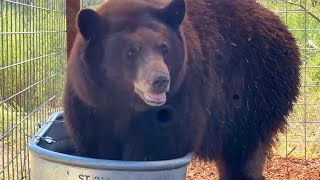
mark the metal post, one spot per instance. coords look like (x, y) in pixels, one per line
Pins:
(73, 7)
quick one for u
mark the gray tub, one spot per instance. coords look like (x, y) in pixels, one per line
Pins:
(56, 160)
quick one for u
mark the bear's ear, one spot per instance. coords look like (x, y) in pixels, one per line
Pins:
(90, 24)
(173, 14)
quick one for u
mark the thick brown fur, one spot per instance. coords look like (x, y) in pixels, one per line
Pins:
(229, 95)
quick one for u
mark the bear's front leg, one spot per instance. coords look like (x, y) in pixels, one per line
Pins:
(147, 142)
(93, 139)
(91, 131)
(238, 162)
(157, 135)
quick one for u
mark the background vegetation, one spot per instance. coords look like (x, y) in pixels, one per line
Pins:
(32, 64)
(302, 138)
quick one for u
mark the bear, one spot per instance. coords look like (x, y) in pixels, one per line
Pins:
(152, 80)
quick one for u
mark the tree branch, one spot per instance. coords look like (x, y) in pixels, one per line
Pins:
(304, 9)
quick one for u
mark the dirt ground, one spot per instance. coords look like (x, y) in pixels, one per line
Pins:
(276, 168)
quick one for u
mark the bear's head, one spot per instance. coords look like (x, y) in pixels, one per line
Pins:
(132, 52)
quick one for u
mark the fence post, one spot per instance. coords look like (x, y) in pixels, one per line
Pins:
(72, 9)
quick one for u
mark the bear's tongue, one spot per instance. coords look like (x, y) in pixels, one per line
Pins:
(157, 97)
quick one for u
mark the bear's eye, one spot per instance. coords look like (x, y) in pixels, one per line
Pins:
(164, 48)
(132, 52)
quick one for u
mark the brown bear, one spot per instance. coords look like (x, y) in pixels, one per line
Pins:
(157, 79)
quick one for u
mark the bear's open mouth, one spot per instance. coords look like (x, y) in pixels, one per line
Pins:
(154, 99)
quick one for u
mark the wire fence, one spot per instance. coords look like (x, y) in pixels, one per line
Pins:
(33, 54)
(302, 138)
(32, 63)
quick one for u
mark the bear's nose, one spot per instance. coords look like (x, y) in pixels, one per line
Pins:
(159, 82)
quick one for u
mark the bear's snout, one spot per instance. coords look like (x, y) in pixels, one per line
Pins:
(159, 82)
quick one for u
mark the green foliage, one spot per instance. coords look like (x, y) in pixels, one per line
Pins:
(91, 3)
(305, 26)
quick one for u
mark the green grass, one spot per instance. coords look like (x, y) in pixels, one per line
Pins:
(18, 128)
(13, 141)
(303, 130)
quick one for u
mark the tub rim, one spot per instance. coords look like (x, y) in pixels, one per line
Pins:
(92, 163)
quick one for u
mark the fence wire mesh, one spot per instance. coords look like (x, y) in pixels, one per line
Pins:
(32, 64)
(302, 138)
